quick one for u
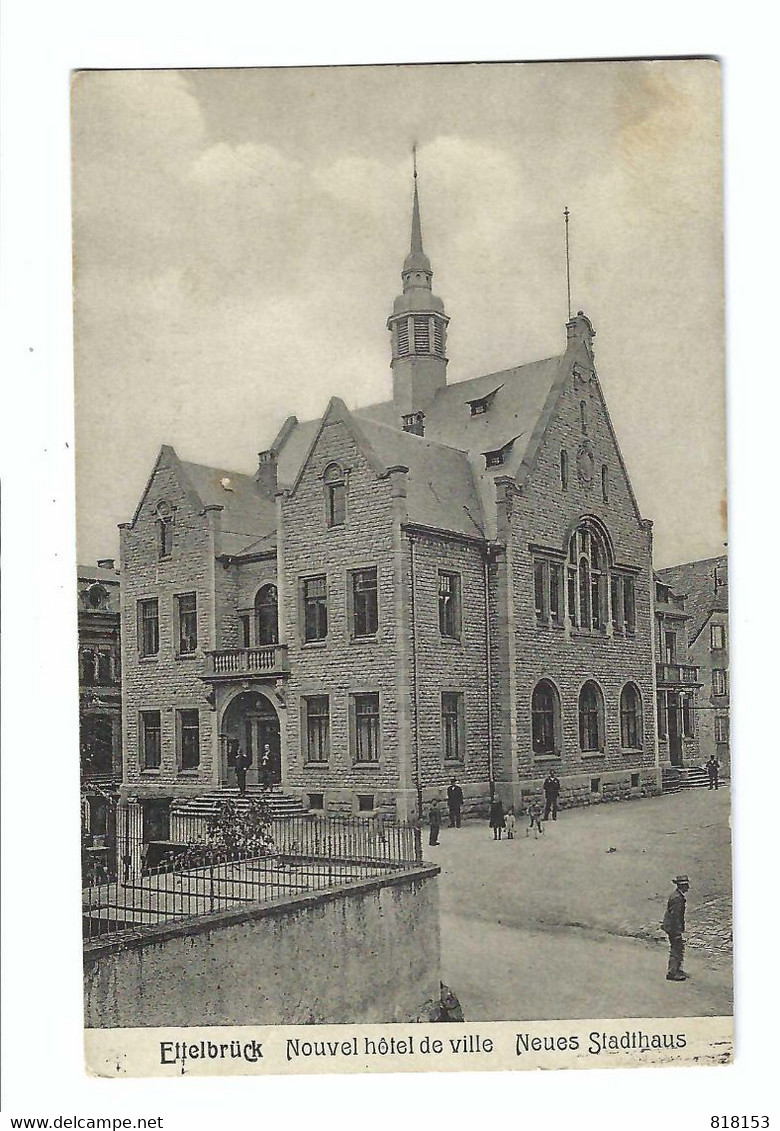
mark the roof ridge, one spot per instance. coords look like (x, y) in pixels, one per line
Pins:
(413, 435)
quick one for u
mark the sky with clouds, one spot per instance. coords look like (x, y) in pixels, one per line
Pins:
(239, 235)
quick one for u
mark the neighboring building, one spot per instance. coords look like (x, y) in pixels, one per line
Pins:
(705, 585)
(677, 680)
(100, 698)
(454, 582)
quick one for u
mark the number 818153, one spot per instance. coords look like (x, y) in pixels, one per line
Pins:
(739, 1121)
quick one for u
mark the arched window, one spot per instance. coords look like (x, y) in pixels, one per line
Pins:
(266, 616)
(630, 718)
(587, 579)
(564, 468)
(335, 495)
(591, 712)
(545, 718)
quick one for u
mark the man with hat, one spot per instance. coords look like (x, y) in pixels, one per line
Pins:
(674, 926)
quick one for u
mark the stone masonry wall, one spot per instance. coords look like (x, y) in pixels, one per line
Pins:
(166, 682)
(545, 515)
(341, 665)
(365, 953)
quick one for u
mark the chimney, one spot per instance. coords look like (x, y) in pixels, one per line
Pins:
(414, 422)
(106, 563)
(266, 471)
(579, 329)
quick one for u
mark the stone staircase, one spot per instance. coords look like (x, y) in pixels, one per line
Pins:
(674, 779)
(208, 804)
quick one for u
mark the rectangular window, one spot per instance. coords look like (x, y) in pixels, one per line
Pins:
(189, 740)
(670, 647)
(148, 628)
(166, 536)
(337, 504)
(317, 728)
(246, 632)
(150, 740)
(365, 606)
(156, 820)
(87, 665)
(687, 716)
(629, 604)
(365, 737)
(616, 595)
(452, 726)
(316, 800)
(97, 743)
(662, 714)
(721, 728)
(315, 609)
(717, 637)
(449, 604)
(105, 668)
(595, 785)
(365, 802)
(539, 587)
(719, 683)
(556, 593)
(635, 781)
(402, 333)
(187, 616)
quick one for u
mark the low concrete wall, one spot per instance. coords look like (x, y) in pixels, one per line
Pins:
(368, 951)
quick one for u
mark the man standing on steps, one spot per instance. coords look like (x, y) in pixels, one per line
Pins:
(552, 787)
(242, 764)
(712, 768)
(674, 926)
(454, 803)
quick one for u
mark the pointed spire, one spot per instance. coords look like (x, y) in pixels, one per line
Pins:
(416, 260)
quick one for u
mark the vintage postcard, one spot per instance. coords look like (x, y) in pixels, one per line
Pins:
(403, 580)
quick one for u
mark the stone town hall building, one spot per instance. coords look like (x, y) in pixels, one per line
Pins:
(454, 582)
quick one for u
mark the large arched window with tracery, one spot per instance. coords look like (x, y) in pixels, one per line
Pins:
(630, 718)
(587, 578)
(591, 717)
(266, 616)
(545, 718)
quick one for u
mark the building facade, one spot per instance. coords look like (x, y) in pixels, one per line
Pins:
(705, 584)
(100, 702)
(455, 582)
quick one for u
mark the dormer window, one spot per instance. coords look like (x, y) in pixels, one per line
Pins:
(335, 496)
(480, 405)
(414, 422)
(499, 455)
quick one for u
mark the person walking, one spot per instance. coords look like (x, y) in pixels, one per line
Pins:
(552, 787)
(434, 820)
(497, 823)
(534, 814)
(674, 926)
(242, 764)
(712, 767)
(454, 803)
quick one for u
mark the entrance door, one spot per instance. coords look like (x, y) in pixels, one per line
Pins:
(251, 723)
(673, 720)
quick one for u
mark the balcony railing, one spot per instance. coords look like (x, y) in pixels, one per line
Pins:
(270, 659)
(677, 674)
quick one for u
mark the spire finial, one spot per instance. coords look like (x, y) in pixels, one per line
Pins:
(416, 250)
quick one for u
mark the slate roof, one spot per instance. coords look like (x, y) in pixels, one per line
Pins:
(514, 412)
(696, 581)
(441, 492)
(97, 573)
(248, 511)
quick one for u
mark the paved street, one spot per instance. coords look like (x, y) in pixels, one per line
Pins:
(563, 927)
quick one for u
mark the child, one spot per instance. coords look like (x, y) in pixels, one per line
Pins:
(510, 824)
(535, 813)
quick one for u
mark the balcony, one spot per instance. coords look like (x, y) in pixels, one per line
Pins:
(677, 675)
(270, 660)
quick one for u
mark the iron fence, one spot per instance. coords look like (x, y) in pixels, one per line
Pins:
(195, 874)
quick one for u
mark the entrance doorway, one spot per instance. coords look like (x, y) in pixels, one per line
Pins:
(251, 722)
(673, 722)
